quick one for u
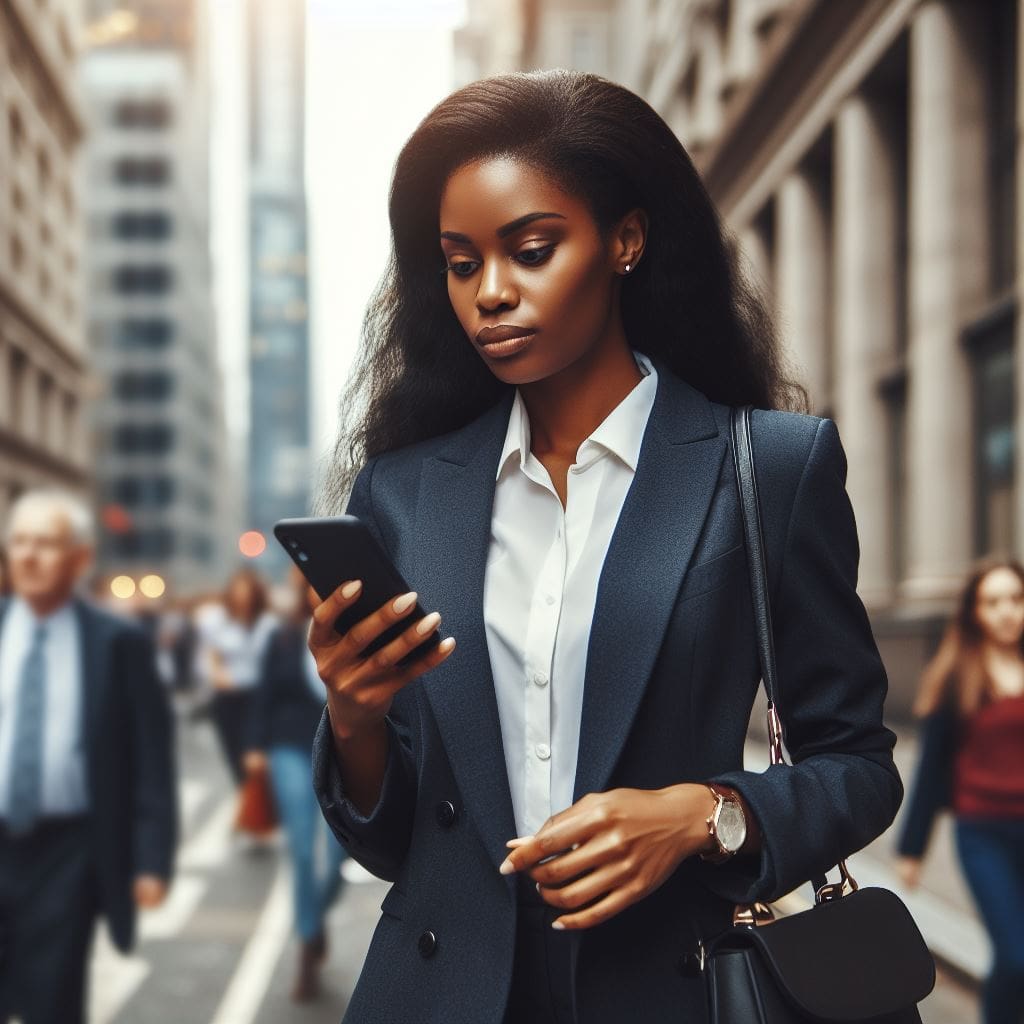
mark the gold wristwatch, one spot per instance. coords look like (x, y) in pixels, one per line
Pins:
(727, 825)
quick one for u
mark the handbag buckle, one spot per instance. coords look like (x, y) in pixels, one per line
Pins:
(835, 890)
(752, 915)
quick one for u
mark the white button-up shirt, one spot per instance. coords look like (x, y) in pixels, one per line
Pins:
(543, 567)
(64, 784)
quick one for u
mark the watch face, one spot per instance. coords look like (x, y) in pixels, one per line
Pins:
(731, 828)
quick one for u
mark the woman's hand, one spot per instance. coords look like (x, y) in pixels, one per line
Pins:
(610, 850)
(361, 687)
(909, 870)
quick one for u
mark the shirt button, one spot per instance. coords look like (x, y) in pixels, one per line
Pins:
(540, 679)
(549, 598)
(543, 751)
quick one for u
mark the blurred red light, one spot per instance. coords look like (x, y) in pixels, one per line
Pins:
(252, 543)
(116, 519)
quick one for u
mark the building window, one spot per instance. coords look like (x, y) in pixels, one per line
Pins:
(142, 492)
(144, 438)
(134, 386)
(155, 279)
(146, 114)
(994, 444)
(145, 333)
(142, 171)
(151, 225)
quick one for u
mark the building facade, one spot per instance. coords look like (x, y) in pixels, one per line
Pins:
(866, 158)
(43, 377)
(280, 461)
(158, 421)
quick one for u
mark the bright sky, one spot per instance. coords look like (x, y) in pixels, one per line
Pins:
(374, 69)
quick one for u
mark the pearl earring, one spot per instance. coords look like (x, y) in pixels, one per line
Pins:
(628, 268)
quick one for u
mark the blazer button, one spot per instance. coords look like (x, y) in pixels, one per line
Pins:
(427, 944)
(446, 814)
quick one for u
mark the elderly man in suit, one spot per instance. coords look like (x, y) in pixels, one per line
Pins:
(87, 797)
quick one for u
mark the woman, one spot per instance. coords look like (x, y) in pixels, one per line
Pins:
(972, 759)
(286, 710)
(542, 409)
(234, 637)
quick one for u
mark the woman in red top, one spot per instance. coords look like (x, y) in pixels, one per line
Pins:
(972, 760)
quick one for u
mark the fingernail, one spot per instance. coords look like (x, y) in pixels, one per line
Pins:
(536, 885)
(558, 926)
(426, 624)
(448, 645)
(506, 867)
(351, 588)
(405, 602)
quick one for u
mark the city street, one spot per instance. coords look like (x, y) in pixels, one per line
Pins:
(222, 946)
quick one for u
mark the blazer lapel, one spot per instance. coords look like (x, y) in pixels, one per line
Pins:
(453, 524)
(649, 553)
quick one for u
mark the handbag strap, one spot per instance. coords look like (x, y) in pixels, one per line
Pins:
(753, 539)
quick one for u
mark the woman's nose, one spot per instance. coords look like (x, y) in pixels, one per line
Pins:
(496, 290)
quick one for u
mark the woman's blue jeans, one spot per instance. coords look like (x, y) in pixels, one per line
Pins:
(316, 872)
(992, 856)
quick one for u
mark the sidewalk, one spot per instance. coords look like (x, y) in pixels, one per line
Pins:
(942, 905)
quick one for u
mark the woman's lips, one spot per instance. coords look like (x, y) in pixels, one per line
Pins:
(504, 340)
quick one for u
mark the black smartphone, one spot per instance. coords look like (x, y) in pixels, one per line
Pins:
(333, 549)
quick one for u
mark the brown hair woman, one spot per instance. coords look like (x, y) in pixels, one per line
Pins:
(972, 760)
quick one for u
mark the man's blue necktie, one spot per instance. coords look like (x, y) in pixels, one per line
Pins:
(26, 774)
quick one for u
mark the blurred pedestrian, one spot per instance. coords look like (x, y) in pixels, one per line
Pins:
(87, 794)
(235, 636)
(971, 700)
(5, 588)
(286, 712)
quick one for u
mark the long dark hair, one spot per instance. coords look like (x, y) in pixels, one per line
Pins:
(956, 672)
(417, 376)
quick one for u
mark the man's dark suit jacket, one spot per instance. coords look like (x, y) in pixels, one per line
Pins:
(130, 775)
(671, 675)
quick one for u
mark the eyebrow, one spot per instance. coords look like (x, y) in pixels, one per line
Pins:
(506, 229)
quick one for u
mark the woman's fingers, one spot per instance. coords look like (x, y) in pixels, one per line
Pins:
(405, 643)
(321, 629)
(365, 631)
(597, 851)
(589, 887)
(559, 835)
(597, 913)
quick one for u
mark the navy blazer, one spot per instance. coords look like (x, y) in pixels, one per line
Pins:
(670, 679)
(129, 763)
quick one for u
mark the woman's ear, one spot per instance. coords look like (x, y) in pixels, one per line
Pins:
(628, 240)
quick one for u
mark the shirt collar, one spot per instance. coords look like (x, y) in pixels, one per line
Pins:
(21, 612)
(621, 432)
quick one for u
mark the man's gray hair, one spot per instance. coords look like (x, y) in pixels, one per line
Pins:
(77, 511)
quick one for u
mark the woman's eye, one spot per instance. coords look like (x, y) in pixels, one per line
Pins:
(534, 257)
(462, 268)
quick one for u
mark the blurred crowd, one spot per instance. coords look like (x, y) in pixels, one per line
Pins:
(88, 782)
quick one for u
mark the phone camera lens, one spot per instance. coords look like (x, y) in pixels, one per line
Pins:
(303, 557)
(293, 544)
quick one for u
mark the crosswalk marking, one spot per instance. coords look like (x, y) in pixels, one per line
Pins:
(252, 977)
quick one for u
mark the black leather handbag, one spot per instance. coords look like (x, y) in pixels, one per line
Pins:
(856, 955)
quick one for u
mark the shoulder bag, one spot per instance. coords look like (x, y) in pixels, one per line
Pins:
(856, 955)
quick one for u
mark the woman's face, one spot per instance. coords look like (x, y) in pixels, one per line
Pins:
(1000, 607)
(530, 278)
(241, 599)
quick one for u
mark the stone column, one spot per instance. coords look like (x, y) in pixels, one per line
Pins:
(867, 325)
(947, 277)
(801, 281)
